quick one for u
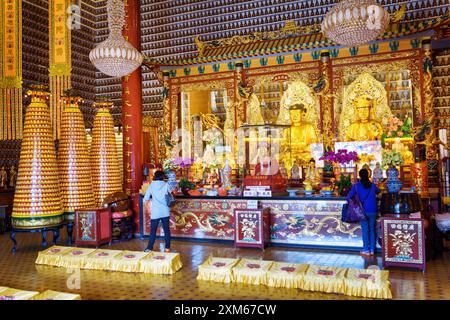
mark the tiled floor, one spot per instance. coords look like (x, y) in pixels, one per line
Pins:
(19, 271)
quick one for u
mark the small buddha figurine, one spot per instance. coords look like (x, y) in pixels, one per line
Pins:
(407, 155)
(364, 129)
(312, 177)
(209, 157)
(226, 175)
(302, 133)
(12, 176)
(377, 173)
(295, 171)
(3, 178)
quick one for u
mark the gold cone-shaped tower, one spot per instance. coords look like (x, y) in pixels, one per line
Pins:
(74, 161)
(37, 200)
(106, 177)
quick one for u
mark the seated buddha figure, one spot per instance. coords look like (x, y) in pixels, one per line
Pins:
(407, 155)
(302, 134)
(364, 128)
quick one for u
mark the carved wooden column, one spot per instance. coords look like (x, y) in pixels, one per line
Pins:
(327, 116)
(132, 106)
(167, 115)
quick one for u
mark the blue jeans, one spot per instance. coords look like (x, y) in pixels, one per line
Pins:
(154, 226)
(369, 232)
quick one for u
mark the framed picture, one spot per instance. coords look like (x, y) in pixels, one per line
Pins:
(403, 242)
(250, 228)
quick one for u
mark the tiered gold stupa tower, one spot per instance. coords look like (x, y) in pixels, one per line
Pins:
(73, 160)
(106, 178)
(37, 200)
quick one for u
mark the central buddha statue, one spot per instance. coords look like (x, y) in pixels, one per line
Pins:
(302, 134)
(364, 128)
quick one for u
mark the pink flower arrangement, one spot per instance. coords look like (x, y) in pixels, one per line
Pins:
(398, 128)
(342, 156)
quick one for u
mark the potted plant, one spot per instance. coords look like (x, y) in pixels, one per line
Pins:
(344, 184)
(186, 186)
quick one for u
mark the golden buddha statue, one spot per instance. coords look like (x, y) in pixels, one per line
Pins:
(312, 176)
(302, 134)
(364, 129)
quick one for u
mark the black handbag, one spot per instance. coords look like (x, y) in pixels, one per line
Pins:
(170, 200)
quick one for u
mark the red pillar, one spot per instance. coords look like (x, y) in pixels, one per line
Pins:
(132, 106)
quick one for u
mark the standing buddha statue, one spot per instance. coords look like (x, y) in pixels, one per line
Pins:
(364, 128)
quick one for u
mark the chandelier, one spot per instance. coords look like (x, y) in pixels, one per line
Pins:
(354, 22)
(115, 56)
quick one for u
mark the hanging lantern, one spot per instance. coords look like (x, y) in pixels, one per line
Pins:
(37, 199)
(106, 178)
(74, 161)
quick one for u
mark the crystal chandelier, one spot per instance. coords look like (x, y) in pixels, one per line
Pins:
(115, 56)
(354, 22)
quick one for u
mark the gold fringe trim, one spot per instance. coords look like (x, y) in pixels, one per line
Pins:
(169, 265)
(15, 294)
(286, 275)
(252, 272)
(56, 295)
(332, 283)
(368, 283)
(111, 260)
(217, 269)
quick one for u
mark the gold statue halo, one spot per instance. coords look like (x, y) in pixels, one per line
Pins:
(364, 85)
(299, 93)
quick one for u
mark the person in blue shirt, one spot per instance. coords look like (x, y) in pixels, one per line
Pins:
(159, 210)
(367, 193)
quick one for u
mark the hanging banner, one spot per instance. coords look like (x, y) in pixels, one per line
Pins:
(60, 58)
(11, 69)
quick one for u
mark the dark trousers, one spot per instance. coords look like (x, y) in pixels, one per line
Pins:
(154, 226)
(369, 232)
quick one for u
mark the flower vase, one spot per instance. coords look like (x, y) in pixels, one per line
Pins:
(393, 183)
(172, 179)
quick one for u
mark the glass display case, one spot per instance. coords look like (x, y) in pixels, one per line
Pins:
(262, 150)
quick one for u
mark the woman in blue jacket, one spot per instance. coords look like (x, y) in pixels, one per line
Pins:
(159, 210)
(367, 194)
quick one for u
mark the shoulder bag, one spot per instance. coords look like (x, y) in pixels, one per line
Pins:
(354, 211)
